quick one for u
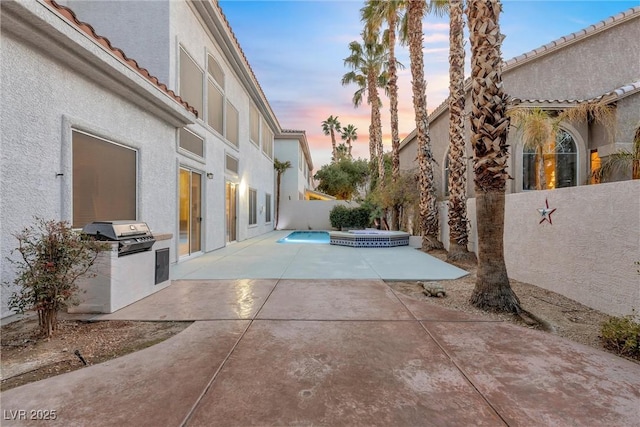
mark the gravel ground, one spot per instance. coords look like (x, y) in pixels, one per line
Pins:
(567, 318)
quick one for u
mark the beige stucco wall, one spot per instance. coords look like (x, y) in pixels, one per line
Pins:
(591, 67)
(589, 251)
(585, 69)
(308, 214)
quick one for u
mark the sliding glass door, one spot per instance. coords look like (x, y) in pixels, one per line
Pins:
(190, 239)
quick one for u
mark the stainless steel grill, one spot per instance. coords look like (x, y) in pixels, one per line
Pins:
(132, 237)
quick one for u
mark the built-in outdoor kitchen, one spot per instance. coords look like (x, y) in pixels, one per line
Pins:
(136, 266)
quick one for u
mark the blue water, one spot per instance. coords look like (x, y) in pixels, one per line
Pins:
(317, 237)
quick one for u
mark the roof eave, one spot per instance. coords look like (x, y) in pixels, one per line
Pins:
(40, 25)
(218, 26)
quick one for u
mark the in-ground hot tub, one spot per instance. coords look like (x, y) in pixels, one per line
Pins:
(369, 238)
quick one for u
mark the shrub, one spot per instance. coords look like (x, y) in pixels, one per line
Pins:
(342, 216)
(622, 335)
(52, 257)
(339, 216)
(360, 217)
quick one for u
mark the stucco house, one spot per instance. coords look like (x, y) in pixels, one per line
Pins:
(180, 137)
(587, 247)
(599, 63)
(297, 182)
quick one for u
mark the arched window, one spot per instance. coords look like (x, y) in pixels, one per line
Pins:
(560, 163)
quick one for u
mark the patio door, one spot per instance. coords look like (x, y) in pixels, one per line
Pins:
(231, 203)
(190, 239)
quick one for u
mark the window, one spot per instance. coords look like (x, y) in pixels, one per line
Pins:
(560, 160)
(254, 118)
(594, 164)
(191, 142)
(215, 71)
(104, 180)
(191, 78)
(253, 208)
(267, 208)
(267, 140)
(231, 164)
(232, 124)
(215, 107)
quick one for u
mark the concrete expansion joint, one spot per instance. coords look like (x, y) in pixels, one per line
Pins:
(189, 415)
(464, 374)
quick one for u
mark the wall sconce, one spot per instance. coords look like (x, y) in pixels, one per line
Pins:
(209, 175)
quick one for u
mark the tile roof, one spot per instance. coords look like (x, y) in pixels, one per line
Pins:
(571, 38)
(67, 13)
(608, 97)
(611, 96)
(244, 57)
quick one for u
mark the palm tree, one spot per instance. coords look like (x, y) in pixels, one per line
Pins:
(540, 127)
(342, 153)
(280, 168)
(537, 128)
(368, 62)
(329, 127)
(622, 160)
(489, 127)
(458, 235)
(428, 202)
(349, 134)
(374, 13)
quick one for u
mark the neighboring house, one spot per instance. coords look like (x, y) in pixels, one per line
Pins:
(599, 63)
(575, 239)
(89, 134)
(296, 182)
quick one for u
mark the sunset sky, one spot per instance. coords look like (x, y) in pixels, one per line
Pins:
(296, 49)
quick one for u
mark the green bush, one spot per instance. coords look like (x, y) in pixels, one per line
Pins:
(342, 216)
(622, 336)
(360, 217)
(52, 257)
(339, 216)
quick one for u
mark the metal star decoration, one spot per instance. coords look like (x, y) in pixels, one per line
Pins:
(546, 213)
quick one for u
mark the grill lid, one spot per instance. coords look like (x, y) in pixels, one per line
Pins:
(116, 230)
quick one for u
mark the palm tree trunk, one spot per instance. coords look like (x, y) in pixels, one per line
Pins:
(492, 290)
(375, 137)
(489, 127)
(458, 237)
(334, 154)
(541, 182)
(393, 107)
(428, 203)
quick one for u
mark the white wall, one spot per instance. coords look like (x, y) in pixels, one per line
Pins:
(255, 168)
(308, 214)
(292, 181)
(42, 100)
(589, 251)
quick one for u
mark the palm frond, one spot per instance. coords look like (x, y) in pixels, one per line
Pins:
(536, 125)
(598, 112)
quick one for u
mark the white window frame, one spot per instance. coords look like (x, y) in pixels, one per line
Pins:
(202, 85)
(253, 207)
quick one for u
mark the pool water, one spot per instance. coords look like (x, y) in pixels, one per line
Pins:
(317, 237)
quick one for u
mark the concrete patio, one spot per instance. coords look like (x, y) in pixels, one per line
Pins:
(334, 352)
(263, 258)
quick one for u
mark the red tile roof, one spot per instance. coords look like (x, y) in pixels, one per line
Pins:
(67, 13)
